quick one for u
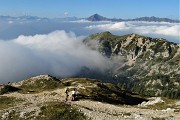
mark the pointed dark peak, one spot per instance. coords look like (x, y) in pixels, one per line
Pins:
(96, 14)
(96, 17)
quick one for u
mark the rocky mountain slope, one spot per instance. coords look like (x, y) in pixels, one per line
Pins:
(149, 66)
(42, 97)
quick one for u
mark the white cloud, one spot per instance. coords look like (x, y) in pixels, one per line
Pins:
(156, 29)
(109, 26)
(81, 21)
(10, 22)
(169, 31)
(66, 13)
(87, 21)
(57, 53)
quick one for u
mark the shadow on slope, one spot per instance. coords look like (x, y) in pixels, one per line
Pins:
(104, 92)
(7, 88)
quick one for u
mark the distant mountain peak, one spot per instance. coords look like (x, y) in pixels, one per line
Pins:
(96, 14)
(96, 17)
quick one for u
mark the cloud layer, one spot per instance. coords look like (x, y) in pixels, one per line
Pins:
(155, 29)
(12, 29)
(57, 53)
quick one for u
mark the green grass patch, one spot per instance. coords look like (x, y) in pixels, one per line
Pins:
(6, 102)
(60, 111)
(40, 85)
(77, 81)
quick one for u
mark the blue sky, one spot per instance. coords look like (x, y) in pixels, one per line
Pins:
(84, 8)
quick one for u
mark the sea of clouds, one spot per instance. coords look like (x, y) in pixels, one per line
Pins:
(170, 31)
(33, 48)
(58, 53)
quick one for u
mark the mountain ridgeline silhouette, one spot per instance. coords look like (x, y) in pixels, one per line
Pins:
(94, 18)
(97, 17)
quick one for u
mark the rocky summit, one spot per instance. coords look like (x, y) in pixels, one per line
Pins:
(147, 66)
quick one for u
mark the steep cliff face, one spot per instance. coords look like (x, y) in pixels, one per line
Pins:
(151, 65)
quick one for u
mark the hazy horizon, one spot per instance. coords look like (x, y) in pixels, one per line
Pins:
(81, 9)
(56, 17)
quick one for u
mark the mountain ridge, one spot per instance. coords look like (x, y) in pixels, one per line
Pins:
(95, 17)
(150, 62)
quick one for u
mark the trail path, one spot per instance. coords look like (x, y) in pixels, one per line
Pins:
(93, 109)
